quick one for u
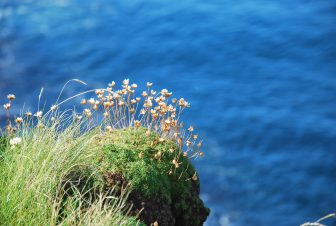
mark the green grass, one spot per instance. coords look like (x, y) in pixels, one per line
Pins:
(32, 172)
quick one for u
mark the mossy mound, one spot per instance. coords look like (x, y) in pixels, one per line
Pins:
(164, 187)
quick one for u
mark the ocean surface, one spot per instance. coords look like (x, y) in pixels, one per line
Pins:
(260, 76)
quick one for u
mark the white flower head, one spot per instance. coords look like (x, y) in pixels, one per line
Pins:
(38, 114)
(15, 141)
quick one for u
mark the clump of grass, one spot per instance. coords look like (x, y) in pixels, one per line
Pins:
(141, 137)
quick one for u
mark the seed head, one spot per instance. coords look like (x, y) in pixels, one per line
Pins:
(29, 114)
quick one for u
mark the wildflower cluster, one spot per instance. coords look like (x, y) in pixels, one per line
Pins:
(119, 108)
(155, 111)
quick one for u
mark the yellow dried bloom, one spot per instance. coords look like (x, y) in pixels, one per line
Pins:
(190, 129)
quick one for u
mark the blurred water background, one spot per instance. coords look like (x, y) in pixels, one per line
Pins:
(260, 76)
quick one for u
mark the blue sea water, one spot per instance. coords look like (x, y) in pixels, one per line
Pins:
(260, 76)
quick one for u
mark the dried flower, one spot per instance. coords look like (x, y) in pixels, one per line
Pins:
(126, 82)
(137, 123)
(149, 84)
(92, 101)
(83, 102)
(194, 177)
(144, 94)
(29, 114)
(109, 129)
(19, 120)
(10, 97)
(111, 84)
(38, 114)
(53, 107)
(78, 117)
(175, 162)
(87, 112)
(7, 106)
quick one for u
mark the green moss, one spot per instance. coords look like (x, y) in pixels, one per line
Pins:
(145, 162)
